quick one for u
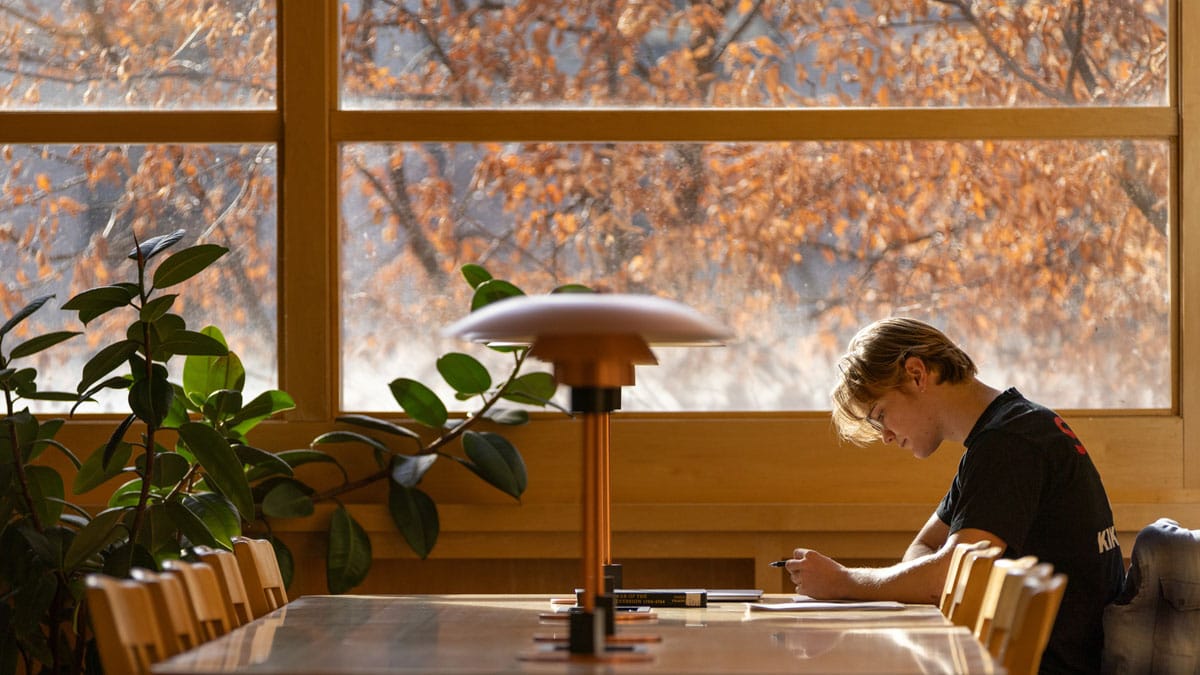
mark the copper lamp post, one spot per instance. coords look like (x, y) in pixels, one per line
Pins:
(594, 342)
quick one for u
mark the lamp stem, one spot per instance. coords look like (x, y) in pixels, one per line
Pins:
(595, 452)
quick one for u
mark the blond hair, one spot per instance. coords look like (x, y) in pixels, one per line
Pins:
(874, 363)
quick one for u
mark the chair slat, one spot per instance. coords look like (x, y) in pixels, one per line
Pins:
(125, 624)
(260, 571)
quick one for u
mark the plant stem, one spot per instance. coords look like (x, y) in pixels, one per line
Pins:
(435, 444)
(147, 342)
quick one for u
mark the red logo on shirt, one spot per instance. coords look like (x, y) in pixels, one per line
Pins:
(1062, 426)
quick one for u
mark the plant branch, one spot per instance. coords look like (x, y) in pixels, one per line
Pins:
(434, 445)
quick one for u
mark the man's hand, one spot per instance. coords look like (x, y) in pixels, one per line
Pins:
(817, 575)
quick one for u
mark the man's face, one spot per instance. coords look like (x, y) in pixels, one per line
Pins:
(903, 416)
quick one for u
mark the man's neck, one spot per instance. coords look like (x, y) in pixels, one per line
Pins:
(964, 403)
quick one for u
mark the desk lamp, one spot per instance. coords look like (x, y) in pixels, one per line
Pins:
(594, 342)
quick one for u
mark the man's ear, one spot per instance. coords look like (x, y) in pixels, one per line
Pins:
(916, 369)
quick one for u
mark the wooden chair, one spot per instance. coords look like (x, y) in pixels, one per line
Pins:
(951, 584)
(204, 594)
(973, 572)
(233, 589)
(260, 570)
(1007, 605)
(124, 621)
(1037, 607)
(1003, 585)
(174, 610)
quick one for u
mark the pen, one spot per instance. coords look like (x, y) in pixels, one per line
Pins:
(779, 563)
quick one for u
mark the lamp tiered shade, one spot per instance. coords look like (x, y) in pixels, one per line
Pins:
(594, 341)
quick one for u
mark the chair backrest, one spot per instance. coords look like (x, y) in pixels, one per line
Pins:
(1003, 586)
(951, 584)
(973, 572)
(123, 620)
(1008, 605)
(204, 593)
(229, 576)
(260, 571)
(174, 610)
(1037, 607)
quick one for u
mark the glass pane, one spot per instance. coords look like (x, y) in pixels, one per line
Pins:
(161, 55)
(1044, 259)
(68, 216)
(765, 53)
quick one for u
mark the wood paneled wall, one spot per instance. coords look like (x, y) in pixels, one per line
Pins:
(697, 502)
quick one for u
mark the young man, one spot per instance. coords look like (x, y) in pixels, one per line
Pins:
(1025, 483)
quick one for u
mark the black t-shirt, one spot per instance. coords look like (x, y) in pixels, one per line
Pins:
(1027, 478)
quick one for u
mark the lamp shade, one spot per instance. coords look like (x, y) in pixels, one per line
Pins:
(522, 319)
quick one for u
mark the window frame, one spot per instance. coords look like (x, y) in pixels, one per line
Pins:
(308, 128)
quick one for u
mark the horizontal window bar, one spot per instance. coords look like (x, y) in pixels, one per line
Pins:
(754, 125)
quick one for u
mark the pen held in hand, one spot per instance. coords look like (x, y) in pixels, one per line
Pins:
(779, 563)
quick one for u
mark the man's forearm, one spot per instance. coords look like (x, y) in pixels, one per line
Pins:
(919, 580)
(918, 549)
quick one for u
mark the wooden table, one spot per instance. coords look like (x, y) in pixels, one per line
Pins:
(495, 634)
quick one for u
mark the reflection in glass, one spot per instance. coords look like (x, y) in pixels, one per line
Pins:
(772, 53)
(68, 216)
(1043, 258)
(174, 55)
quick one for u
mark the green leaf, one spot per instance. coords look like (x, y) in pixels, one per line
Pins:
(178, 414)
(126, 495)
(203, 375)
(493, 290)
(496, 461)
(351, 437)
(159, 535)
(349, 557)
(37, 344)
(118, 436)
(120, 382)
(221, 404)
(475, 275)
(190, 343)
(296, 458)
(186, 264)
(155, 245)
(94, 470)
(23, 314)
(154, 309)
(102, 531)
(263, 406)
(464, 373)
(376, 424)
(220, 463)
(415, 515)
(169, 469)
(409, 470)
(288, 499)
(99, 301)
(267, 463)
(572, 288)
(45, 486)
(219, 515)
(105, 361)
(150, 399)
(190, 524)
(43, 443)
(283, 555)
(532, 389)
(60, 396)
(419, 402)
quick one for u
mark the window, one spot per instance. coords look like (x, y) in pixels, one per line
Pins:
(104, 144)
(796, 169)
